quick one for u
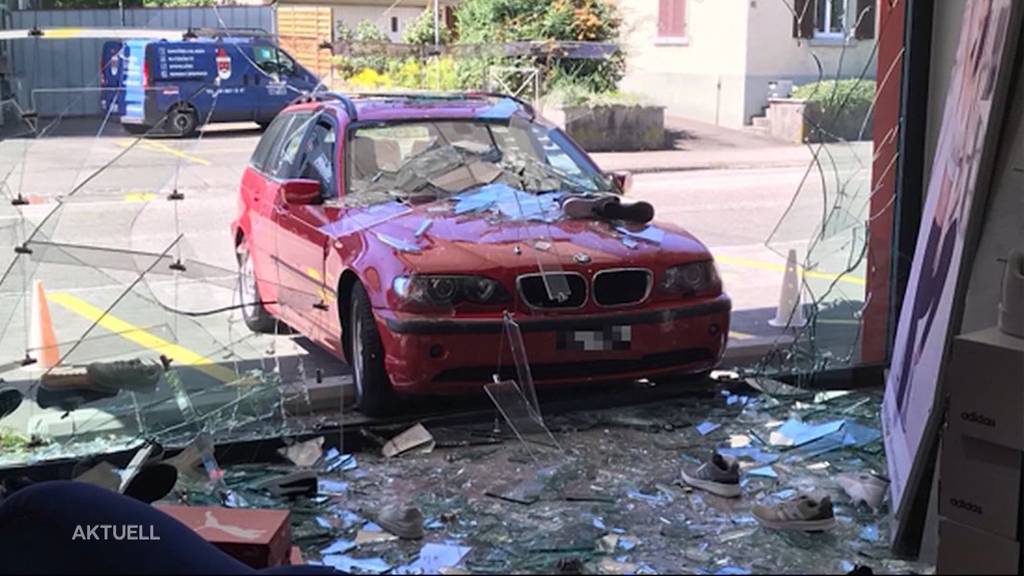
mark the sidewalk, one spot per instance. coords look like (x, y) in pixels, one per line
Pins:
(701, 146)
(707, 159)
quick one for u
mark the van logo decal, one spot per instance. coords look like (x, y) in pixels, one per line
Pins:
(223, 64)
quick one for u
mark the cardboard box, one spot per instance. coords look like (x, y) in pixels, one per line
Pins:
(980, 484)
(964, 550)
(259, 538)
(986, 387)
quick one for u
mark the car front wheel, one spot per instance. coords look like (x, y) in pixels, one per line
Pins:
(254, 314)
(374, 395)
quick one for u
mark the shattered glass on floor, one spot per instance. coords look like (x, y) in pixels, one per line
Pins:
(613, 501)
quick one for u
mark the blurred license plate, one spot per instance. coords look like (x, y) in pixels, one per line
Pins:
(600, 340)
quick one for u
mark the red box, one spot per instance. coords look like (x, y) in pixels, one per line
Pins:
(259, 538)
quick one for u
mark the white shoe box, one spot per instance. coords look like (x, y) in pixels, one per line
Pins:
(965, 550)
(986, 386)
(980, 485)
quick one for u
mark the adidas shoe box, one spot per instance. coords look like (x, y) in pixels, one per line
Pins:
(982, 456)
(986, 387)
(980, 485)
(966, 550)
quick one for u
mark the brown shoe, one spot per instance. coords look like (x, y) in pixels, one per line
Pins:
(801, 513)
(404, 522)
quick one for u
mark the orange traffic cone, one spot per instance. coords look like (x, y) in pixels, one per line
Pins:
(42, 339)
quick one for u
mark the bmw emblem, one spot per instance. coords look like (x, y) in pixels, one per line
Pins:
(581, 258)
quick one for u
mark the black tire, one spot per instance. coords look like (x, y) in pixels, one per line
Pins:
(374, 394)
(182, 121)
(136, 128)
(254, 314)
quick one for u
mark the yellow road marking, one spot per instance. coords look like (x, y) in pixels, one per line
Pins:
(63, 33)
(132, 333)
(139, 197)
(160, 147)
(740, 335)
(776, 267)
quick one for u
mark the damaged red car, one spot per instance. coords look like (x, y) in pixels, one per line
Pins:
(418, 237)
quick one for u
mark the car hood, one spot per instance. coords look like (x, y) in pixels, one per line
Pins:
(446, 237)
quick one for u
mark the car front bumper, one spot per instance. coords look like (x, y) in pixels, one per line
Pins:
(444, 354)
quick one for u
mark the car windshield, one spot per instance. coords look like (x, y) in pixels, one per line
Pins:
(430, 160)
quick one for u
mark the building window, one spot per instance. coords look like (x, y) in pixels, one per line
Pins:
(830, 19)
(834, 20)
(394, 24)
(672, 19)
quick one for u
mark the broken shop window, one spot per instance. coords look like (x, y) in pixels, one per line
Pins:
(116, 240)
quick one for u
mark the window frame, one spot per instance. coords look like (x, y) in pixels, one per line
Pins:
(301, 120)
(827, 34)
(296, 168)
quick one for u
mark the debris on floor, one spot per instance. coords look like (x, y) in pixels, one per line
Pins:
(612, 500)
(416, 438)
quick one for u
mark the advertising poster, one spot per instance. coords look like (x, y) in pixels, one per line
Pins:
(927, 317)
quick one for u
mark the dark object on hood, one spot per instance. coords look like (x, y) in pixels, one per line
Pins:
(608, 206)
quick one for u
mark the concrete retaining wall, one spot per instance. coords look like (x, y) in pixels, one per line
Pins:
(615, 128)
(797, 121)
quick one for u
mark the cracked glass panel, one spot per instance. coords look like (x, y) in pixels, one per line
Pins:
(500, 251)
(120, 299)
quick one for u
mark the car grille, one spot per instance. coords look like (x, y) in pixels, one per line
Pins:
(535, 293)
(622, 287)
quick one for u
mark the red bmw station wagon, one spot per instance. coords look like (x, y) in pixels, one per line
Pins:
(415, 235)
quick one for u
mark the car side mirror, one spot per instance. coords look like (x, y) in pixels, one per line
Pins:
(300, 191)
(623, 181)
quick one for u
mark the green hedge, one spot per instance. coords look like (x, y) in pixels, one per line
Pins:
(838, 109)
(853, 94)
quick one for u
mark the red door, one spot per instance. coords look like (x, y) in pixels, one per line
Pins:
(307, 294)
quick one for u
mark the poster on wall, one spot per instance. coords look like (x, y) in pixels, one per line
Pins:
(909, 418)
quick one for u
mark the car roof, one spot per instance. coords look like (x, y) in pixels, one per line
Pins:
(413, 106)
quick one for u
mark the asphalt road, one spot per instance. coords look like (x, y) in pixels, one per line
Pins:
(125, 207)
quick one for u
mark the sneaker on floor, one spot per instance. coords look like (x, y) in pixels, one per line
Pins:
(10, 399)
(717, 476)
(864, 487)
(803, 513)
(404, 522)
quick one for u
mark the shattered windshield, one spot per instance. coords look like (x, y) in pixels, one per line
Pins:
(439, 159)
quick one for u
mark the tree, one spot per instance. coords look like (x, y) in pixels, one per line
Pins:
(499, 21)
(422, 30)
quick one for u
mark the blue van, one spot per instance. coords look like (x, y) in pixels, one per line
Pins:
(245, 78)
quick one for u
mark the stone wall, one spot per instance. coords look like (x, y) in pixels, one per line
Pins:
(796, 121)
(613, 128)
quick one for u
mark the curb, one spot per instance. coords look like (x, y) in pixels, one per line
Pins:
(716, 166)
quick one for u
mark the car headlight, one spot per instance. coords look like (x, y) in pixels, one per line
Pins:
(436, 290)
(690, 279)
